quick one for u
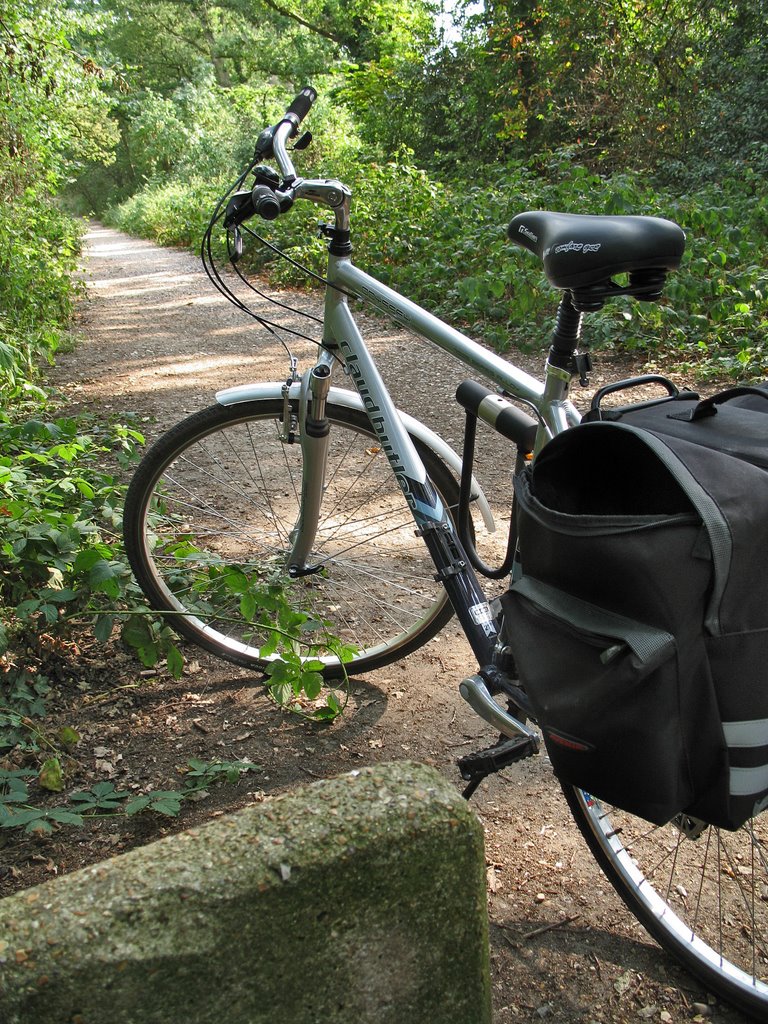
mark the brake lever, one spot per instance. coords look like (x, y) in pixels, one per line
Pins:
(238, 252)
(239, 208)
(263, 148)
(304, 141)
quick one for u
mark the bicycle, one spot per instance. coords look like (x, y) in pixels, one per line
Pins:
(324, 485)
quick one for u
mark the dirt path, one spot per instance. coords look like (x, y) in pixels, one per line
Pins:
(157, 340)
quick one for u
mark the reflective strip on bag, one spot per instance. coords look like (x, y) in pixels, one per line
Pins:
(747, 735)
(749, 781)
(752, 733)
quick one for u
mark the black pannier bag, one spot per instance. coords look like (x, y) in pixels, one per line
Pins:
(640, 622)
(725, 421)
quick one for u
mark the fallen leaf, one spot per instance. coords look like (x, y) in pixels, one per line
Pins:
(69, 737)
(623, 982)
(51, 777)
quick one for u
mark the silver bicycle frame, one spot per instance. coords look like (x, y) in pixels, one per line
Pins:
(549, 400)
(342, 340)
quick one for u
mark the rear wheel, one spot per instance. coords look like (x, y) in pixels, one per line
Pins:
(220, 493)
(703, 897)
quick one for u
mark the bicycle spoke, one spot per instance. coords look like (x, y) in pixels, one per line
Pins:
(230, 495)
(705, 898)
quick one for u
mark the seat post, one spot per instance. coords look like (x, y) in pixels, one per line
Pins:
(565, 341)
(567, 332)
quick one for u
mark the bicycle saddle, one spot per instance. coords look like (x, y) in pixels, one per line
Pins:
(579, 250)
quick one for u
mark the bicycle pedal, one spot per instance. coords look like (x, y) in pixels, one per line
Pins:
(475, 767)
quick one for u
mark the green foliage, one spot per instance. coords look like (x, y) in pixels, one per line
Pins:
(175, 213)
(733, 101)
(60, 556)
(62, 566)
(444, 245)
(62, 569)
(195, 137)
(660, 85)
(37, 243)
(215, 589)
(53, 116)
(102, 799)
(22, 705)
(239, 41)
(571, 106)
(53, 110)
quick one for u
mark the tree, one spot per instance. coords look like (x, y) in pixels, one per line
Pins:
(731, 128)
(53, 110)
(622, 77)
(168, 42)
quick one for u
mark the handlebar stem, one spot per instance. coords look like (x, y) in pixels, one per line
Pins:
(327, 192)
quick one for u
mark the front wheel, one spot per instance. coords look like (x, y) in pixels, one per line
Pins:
(700, 891)
(219, 493)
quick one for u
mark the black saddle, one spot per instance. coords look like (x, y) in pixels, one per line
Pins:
(579, 250)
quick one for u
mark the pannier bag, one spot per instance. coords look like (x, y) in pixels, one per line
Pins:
(640, 622)
(726, 421)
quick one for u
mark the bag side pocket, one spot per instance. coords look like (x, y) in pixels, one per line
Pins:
(606, 691)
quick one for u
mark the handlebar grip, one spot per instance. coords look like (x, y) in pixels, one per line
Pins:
(303, 103)
(265, 202)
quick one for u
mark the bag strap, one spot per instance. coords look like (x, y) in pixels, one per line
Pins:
(708, 406)
(650, 645)
(715, 523)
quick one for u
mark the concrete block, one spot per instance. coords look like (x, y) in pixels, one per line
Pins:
(360, 900)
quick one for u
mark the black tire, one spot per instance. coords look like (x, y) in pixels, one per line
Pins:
(703, 899)
(221, 487)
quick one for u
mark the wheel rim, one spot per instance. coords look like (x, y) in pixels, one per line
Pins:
(703, 899)
(376, 582)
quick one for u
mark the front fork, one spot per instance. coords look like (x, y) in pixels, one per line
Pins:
(314, 434)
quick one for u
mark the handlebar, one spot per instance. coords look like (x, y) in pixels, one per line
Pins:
(285, 129)
(271, 194)
(265, 203)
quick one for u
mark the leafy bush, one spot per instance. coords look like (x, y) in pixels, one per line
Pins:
(101, 800)
(175, 213)
(61, 557)
(444, 245)
(63, 570)
(39, 247)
